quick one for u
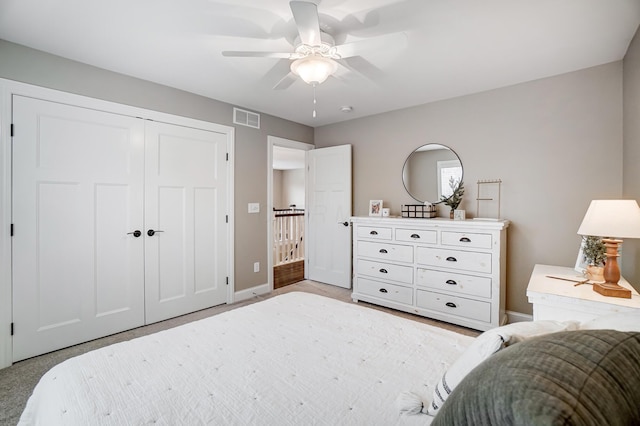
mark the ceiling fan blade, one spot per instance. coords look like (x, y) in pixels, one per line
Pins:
(286, 81)
(250, 54)
(306, 16)
(393, 41)
(363, 68)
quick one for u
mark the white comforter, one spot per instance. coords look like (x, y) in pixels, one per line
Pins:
(295, 359)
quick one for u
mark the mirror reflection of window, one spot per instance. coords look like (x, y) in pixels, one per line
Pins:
(449, 176)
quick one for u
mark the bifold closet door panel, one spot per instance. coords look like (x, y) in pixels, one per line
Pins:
(78, 273)
(185, 207)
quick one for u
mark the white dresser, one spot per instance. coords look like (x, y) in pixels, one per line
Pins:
(445, 269)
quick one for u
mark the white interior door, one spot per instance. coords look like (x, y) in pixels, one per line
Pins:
(77, 194)
(186, 192)
(329, 211)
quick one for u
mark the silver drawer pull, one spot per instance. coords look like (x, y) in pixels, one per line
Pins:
(415, 236)
(451, 259)
(383, 251)
(451, 304)
(383, 290)
(451, 282)
(465, 240)
(383, 271)
(373, 233)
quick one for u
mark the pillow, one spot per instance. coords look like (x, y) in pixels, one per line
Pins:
(626, 321)
(486, 345)
(567, 378)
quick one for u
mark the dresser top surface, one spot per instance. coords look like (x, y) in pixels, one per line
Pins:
(438, 222)
(540, 285)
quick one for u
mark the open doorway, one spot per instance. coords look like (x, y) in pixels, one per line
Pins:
(286, 202)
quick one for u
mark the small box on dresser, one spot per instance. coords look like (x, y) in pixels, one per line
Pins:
(448, 270)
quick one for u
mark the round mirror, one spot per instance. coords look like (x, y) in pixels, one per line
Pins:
(431, 172)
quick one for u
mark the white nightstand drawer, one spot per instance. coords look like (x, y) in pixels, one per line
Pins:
(459, 283)
(459, 306)
(385, 271)
(374, 232)
(417, 236)
(384, 251)
(466, 239)
(462, 260)
(396, 293)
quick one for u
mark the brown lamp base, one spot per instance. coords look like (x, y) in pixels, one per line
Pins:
(612, 290)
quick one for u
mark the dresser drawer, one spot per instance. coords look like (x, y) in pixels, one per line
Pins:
(385, 271)
(385, 251)
(374, 232)
(462, 260)
(466, 239)
(458, 283)
(395, 293)
(459, 306)
(417, 236)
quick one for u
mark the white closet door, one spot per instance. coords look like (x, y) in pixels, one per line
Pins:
(185, 199)
(77, 193)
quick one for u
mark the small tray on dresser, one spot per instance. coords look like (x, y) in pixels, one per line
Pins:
(419, 211)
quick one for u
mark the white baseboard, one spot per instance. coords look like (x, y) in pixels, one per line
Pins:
(251, 292)
(518, 317)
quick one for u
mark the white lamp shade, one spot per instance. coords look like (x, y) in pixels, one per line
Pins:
(612, 218)
(314, 69)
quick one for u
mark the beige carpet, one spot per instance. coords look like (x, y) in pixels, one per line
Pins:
(17, 382)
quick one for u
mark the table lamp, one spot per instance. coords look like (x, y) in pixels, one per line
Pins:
(612, 220)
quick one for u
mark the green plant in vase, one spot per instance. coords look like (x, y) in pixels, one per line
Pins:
(454, 200)
(594, 255)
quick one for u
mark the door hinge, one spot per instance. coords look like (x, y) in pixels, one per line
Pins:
(11, 129)
(227, 156)
(12, 329)
(12, 229)
(227, 280)
(227, 218)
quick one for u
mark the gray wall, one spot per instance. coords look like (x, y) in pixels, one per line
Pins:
(545, 139)
(26, 65)
(631, 158)
(556, 143)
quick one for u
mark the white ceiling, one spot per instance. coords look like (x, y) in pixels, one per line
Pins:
(288, 158)
(453, 47)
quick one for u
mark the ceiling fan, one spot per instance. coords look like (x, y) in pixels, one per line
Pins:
(315, 53)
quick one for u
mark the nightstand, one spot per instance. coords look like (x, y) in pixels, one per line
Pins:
(561, 300)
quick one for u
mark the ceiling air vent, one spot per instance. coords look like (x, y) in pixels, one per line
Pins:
(246, 118)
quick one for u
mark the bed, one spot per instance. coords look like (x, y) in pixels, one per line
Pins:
(295, 359)
(303, 359)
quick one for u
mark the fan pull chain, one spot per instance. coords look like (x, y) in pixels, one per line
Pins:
(314, 100)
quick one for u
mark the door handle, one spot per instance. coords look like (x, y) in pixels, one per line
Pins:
(345, 223)
(135, 233)
(151, 232)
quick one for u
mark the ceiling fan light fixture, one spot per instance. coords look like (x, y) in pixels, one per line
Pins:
(314, 69)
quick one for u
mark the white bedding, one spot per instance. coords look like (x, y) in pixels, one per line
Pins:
(295, 359)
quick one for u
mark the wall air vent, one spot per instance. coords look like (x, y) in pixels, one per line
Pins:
(246, 118)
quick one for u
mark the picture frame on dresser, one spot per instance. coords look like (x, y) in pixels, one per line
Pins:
(375, 208)
(581, 263)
